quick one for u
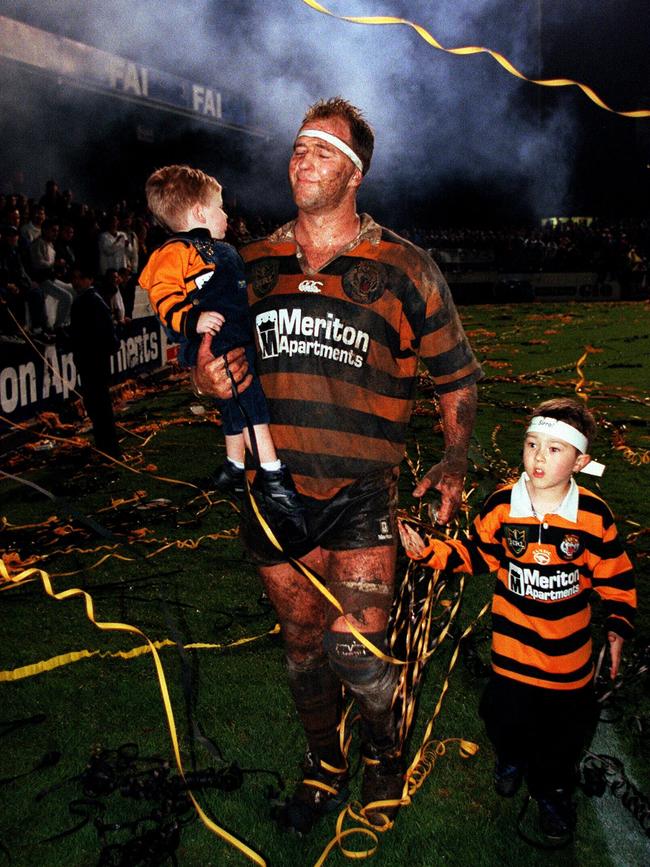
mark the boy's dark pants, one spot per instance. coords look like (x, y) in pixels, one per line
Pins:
(544, 731)
(250, 404)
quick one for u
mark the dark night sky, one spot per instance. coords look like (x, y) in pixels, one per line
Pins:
(458, 139)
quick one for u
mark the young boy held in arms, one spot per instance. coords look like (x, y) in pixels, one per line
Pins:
(196, 285)
(550, 544)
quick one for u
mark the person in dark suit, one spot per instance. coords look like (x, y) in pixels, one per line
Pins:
(94, 340)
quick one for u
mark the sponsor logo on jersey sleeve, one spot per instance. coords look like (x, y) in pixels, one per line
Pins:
(200, 280)
(385, 533)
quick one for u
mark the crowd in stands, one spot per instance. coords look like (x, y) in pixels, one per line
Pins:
(43, 239)
(613, 250)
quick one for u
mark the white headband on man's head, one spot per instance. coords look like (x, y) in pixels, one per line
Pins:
(338, 143)
(568, 434)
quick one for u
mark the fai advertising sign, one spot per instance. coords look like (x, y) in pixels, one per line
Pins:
(33, 380)
(91, 68)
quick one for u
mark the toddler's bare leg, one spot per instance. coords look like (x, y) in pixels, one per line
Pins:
(235, 447)
(265, 446)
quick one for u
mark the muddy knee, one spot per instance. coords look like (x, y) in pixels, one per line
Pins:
(369, 679)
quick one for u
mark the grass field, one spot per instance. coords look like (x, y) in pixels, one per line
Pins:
(153, 555)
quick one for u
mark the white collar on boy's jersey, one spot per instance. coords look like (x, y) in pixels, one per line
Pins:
(521, 506)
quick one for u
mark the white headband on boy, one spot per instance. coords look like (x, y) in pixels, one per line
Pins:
(338, 143)
(568, 434)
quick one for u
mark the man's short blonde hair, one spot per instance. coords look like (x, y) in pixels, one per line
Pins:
(173, 190)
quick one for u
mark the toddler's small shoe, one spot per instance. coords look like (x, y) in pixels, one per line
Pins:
(228, 480)
(282, 507)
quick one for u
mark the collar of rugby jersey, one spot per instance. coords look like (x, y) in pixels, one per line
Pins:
(368, 231)
(521, 506)
(196, 232)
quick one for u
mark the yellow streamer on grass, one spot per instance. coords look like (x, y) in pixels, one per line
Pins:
(477, 49)
(77, 655)
(162, 682)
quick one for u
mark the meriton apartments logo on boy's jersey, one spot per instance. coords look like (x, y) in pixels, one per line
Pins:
(546, 588)
(290, 332)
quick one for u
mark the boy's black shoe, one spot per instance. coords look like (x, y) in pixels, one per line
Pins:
(282, 508)
(322, 790)
(228, 480)
(383, 780)
(507, 778)
(557, 815)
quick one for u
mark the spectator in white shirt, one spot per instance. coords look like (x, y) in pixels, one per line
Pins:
(131, 246)
(31, 230)
(42, 253)
(58, 296)
(112, 246)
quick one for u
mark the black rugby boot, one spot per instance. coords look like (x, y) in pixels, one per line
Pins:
(322, 790)
(383, 780)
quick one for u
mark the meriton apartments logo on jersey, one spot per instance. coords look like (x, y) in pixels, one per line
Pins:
(544, 587)
(290, 332)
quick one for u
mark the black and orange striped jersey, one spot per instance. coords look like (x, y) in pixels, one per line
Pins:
(545, 574)
(338, 350)
(172, 277)
(192, 273)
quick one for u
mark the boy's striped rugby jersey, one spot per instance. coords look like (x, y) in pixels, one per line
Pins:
(192, 272)
(338, 350)
(171, 277)
(545, 573)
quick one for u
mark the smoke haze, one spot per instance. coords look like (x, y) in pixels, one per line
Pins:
(445, 125)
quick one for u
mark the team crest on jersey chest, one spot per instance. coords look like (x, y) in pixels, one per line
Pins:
(264, 276)
(570, 546)
(365, 282)
(516, 539)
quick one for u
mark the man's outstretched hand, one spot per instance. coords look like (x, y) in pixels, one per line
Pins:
(458, 413)
(210, 375)
(447, 478)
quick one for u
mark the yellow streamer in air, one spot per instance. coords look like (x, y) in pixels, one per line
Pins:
(582, 384)
(477, 49)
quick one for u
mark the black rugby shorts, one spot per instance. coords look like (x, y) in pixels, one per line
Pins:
(361, 515)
